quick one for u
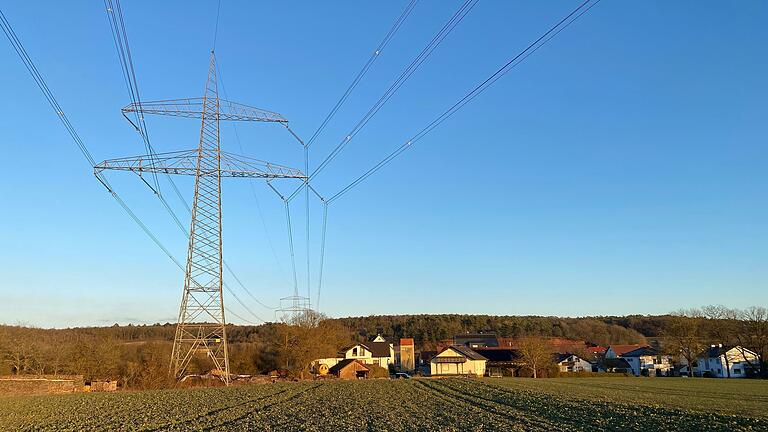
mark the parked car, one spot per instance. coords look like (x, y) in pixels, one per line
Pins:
(401, 375)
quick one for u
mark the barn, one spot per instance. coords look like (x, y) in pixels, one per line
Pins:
(350, 369)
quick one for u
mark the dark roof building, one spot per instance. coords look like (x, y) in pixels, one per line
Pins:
(476, 340)
(350, 369)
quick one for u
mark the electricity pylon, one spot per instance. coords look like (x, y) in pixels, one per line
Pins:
(201, 327)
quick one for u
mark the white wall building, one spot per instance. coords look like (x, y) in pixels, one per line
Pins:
(573, 363)
(718, 360)
(379, 352)
(457, 360)
(643, 359)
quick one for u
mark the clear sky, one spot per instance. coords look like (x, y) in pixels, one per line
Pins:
(621, 169)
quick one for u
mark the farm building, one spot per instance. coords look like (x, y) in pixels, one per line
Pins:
(501, 361)
(350, 369)
(476, 340)
(407, 360)
(572, 363)
(717, 361)
(458, 360)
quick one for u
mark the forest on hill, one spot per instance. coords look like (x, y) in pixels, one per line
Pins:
(138, 354)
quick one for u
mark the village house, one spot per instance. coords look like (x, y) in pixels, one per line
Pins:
(642, 359)
(379, 352)
(572, 363)
(726, 362)
(457, 360)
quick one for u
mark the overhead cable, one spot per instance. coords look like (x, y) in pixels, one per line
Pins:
(477, 90)
(374, 55)
(455, 19)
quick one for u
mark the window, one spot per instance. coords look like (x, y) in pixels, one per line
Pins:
(737, 370)
(354, 351)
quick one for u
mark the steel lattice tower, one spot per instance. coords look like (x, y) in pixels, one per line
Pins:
(201, 327)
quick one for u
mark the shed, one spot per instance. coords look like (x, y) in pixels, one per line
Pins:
(350, 369)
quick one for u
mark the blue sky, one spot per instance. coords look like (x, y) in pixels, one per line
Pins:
(620, 169)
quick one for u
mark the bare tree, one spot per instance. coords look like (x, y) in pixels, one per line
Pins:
(753, 334)
(721, 325)
(307, 337)
(535, 353)
(684, 336)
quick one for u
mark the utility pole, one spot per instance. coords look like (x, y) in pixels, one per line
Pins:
(201, 327)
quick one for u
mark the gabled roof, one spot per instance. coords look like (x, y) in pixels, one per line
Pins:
(344, 363)
(484, 339)
(498, 354)
(617, 363)
(717, 351)
(642, 351)
(597, 349)
(379, 349)
(621, 349)
(349, 347)
(465, 351)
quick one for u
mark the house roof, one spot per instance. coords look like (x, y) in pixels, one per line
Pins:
(344, 363)
(561, 357)
(485, 339)
(349, 347)
(379, 349)
(498, 354)
(616, 363)
(597, 349)
(621, 349)
(642, 351)
(466, 352)
(717, 351)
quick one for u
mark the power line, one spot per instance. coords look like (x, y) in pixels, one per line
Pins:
(375, 55)
(477, 90)
(455, 19)
(51, 99)
(256, 200)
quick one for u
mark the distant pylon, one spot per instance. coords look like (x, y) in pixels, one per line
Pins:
(201, 327)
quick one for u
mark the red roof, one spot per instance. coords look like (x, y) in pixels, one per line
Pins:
(623, 349)
(597, 349)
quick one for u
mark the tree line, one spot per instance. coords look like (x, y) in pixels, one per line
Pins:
(138, 356)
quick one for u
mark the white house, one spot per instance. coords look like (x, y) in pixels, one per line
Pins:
(379, 352)
(641, 358)
(457, 360)
(717, 360)
(572, 363)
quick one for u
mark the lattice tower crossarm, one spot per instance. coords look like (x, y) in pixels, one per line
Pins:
(201, 327)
